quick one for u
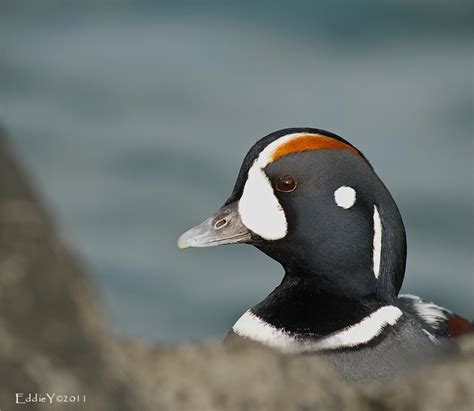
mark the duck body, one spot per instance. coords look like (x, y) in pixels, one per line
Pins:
(311, 201)
(364, 342)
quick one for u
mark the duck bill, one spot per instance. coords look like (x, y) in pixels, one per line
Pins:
(224, 227)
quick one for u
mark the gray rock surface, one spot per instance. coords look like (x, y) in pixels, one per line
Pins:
(53, 340)
(51, 335)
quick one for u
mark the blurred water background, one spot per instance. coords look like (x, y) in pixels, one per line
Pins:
(134, 117)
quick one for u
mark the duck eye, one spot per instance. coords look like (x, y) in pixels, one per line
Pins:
(286, 184)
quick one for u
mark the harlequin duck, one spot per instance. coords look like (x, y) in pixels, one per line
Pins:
(311, 201)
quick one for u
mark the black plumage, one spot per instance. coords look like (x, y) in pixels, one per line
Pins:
(334, 282)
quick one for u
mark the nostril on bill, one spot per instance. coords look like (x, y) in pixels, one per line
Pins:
(221, 223)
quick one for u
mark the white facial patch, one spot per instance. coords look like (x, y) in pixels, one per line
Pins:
(254, 328)
(345, 197)
(377, 242)
(259, 208)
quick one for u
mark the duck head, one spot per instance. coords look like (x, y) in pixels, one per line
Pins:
(311, 201)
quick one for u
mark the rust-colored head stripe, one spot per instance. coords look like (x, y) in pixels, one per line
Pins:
(309, 142)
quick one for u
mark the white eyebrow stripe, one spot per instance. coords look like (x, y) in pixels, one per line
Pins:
(266, 155)
(377, 242)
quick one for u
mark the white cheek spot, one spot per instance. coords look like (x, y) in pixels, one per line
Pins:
(260, 209)
(345, 197)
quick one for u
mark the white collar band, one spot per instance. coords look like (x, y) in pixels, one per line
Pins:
(254, 328)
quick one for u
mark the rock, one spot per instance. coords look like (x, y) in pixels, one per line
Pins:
(217, 377)
(53, 340)
(447, 386)
(51, 335)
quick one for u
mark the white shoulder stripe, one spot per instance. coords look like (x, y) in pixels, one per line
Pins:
(432, 338)
(433, 314)
(252, 327)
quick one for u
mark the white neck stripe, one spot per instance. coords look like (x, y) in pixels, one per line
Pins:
(377, 250)
(252, 327)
